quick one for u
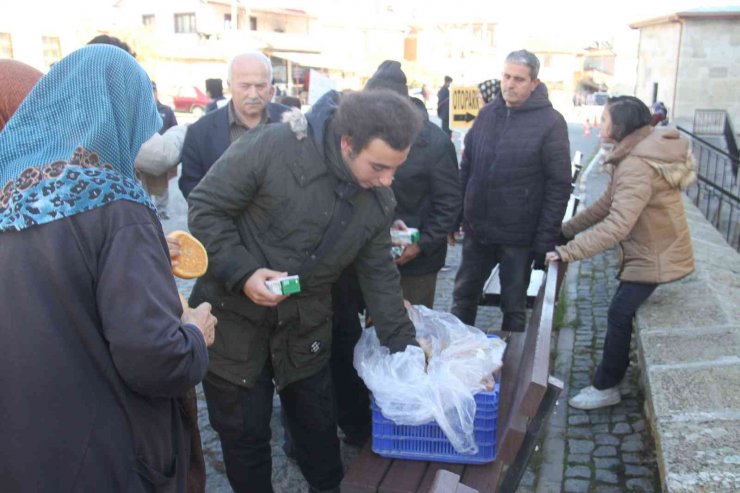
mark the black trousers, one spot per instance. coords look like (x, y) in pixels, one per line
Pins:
(351, 394)
(478, 260)
(446, 127)
(616, 357)
(241, 417)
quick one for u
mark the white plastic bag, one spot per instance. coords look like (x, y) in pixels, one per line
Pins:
(461, 361)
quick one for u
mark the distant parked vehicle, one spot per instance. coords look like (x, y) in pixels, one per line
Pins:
(191, 100)
(600, 98)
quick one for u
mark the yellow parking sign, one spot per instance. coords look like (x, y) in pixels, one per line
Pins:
(464, 106)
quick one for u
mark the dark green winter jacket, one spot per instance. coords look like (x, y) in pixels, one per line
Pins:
(267, 203)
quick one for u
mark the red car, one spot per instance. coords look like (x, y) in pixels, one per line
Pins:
(191, 100)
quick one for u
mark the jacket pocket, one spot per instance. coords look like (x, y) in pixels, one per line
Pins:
(162, 482)
(311, 342)
(314, 315)
(511, 206)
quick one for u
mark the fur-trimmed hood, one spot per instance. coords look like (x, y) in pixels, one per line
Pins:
(663, 150)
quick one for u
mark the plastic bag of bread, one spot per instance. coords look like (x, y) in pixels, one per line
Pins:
(436, 380)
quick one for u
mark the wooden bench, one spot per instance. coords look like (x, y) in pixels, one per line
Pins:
(527, 398)
(492, 288)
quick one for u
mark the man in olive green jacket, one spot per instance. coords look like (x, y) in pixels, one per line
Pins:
(277, 205)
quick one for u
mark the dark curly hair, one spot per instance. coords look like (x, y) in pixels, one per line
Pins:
(627, 114)
(104, 39)
(378, 114)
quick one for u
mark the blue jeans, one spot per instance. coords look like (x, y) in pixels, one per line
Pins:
(616, 358)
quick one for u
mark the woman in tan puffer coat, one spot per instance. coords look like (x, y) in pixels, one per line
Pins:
(642, 210)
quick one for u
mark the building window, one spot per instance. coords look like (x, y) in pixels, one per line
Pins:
(147, 20)
(6, 46)
(185, 23)
(252, 23)
(52, 49)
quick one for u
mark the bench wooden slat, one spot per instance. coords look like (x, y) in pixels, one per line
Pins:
(510, 439)
(461, 488)
(426, 482)
(483, 478)
(366, 473)
(515, 471)
(532, 381)
(445, 482)
(403, 476)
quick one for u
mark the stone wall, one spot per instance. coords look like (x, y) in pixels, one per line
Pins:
(709, 68)
(657, 62)
(689, 346)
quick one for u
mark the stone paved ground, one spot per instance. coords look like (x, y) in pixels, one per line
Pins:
(607, 450)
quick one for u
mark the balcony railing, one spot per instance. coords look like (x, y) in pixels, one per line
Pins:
(717, 191)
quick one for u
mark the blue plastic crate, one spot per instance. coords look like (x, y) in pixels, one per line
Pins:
(428, 442)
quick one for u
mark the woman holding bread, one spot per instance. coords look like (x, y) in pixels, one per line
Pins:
(96, 344)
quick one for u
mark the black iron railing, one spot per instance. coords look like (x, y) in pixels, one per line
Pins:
(718, 122)
(717, 191)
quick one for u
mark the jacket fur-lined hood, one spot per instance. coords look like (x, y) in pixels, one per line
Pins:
(663, 150)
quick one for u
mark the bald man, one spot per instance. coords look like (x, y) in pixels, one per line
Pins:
(250, 81)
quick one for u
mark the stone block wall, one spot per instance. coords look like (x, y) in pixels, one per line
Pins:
(689, 345)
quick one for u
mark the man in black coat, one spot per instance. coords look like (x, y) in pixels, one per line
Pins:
(515, 176)
(250, 81)
(443, 105)
(428, 193)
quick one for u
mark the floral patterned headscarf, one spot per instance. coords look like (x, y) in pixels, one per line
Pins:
(70, 146)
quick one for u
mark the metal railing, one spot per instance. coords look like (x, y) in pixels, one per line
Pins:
(718, 122)
(717, 191)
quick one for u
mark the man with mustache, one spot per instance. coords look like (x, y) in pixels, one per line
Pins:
(515, 178)
(250, 81)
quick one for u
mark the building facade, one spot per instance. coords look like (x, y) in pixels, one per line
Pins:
(691, 60)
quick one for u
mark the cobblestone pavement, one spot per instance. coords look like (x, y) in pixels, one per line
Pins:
(606, 450)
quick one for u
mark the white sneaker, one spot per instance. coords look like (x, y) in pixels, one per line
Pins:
(592, 398)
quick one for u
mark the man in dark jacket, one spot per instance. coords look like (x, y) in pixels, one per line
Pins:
(443, 105)
(276, 205)
(515, 177)
(250, 81)
(427, 190)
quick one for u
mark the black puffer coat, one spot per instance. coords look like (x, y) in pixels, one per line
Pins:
(515, 174)
(428, 194)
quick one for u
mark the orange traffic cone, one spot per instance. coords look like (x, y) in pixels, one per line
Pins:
(587, 128)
